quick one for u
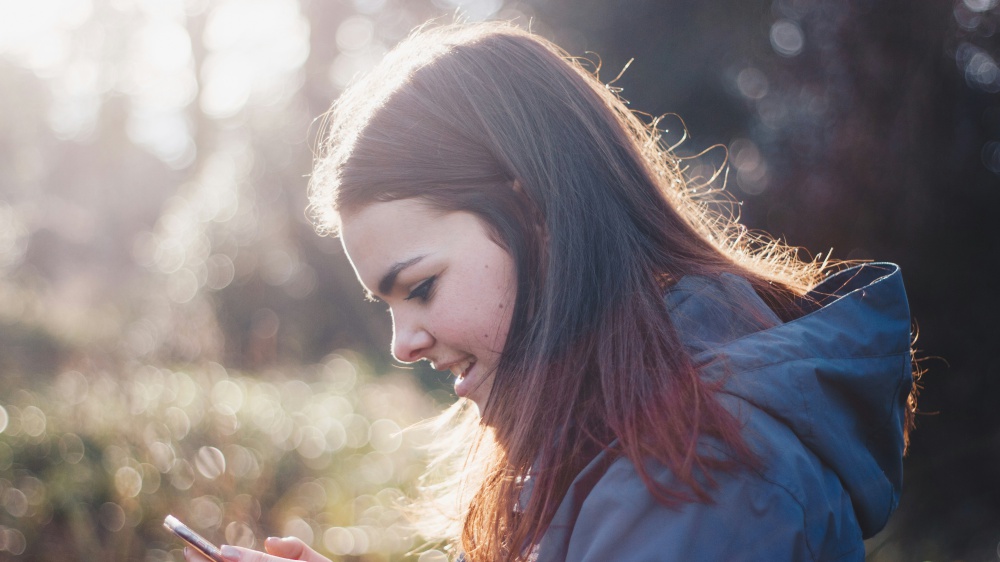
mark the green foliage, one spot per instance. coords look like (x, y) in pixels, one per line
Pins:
(91, 464)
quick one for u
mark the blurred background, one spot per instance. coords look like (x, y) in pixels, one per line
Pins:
(174, 337)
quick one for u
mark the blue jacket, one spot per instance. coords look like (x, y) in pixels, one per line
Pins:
(822, 399)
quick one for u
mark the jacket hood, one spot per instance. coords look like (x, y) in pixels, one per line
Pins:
(838, 376)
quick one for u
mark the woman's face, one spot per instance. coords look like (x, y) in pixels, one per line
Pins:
(449, 287)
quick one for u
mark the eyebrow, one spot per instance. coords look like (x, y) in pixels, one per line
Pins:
(388, 280)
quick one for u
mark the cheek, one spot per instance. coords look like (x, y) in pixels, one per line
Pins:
(498, 339)
(481, 322)
(480, 317)
(496, 317)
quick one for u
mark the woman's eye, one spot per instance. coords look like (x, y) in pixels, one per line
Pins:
(423, 290)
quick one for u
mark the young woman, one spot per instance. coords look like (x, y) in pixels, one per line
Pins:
(649, 382)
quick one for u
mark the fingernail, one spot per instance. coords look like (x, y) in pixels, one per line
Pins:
(232, 554)
(187, 552)
(277, 539)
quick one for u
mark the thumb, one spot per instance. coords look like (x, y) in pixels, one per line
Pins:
(292, 548)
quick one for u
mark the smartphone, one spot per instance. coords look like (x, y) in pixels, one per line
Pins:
(193, 538)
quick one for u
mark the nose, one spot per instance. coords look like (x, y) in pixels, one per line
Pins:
(410, 340)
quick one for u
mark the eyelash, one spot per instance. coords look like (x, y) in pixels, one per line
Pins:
(423, 290)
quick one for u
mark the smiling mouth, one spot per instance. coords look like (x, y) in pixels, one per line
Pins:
(461, 369)
(464, 383)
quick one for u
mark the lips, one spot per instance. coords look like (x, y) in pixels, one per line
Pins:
(461, 371)
(461, 368)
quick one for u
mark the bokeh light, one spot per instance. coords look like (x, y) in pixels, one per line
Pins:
(787, 38)
(159, 447)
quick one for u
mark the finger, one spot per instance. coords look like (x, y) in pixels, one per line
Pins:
(240, 554)
(293, 549)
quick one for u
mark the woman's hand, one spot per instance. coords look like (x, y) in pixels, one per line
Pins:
(288, 548)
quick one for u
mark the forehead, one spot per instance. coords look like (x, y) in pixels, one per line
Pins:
(384, 234)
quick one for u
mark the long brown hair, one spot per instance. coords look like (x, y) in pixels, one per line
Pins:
(599, 219)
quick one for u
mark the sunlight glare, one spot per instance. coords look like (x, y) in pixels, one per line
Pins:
(33, 33)
(473, 10)
(368, 6)
(159, 78)
(355, 33)
(254, 47)
(164, 44)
